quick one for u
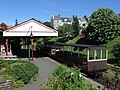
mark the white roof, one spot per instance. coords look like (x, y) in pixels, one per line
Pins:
(25, 29)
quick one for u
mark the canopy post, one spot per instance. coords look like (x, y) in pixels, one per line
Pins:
(6, 46)
(29, 53)
(88, 52)
(95, 54)
(32, 45)
(106, 54)
(101, 54)
(32, 48)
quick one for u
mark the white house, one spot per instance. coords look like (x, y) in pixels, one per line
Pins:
(57, 21)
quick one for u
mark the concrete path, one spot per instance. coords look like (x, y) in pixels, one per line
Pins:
(46, 67)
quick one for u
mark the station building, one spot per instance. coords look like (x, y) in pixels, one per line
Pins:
(25, 33)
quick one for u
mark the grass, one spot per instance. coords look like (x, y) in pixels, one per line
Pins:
(109, 74)
(111, 58)
(110, 46)
(73, 41)
(56, 39)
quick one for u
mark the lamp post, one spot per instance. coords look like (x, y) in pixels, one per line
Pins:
(32, 45)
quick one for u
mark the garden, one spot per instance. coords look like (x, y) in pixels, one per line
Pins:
(65, 78)
(103, 29)
(20, 72)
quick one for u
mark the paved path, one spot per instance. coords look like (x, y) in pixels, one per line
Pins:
(46, 67)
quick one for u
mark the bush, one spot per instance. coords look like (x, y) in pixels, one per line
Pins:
(6, 63)
(67, 79)
(116, 50)
(23, 71)
(110, 46)
(60, 70)
(6, 76)
(18, 83)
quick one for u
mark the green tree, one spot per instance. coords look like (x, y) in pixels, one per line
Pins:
(116, 50)
(47, 24)
(66, 29)
(104, 25)
(16, 22)
(75, 25)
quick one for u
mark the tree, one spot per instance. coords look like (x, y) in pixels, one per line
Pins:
(104, 25)
(16, 22)
(47, 24)
(116, 50)
(65, 30)
(75, 25)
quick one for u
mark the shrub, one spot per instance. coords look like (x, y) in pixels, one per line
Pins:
(6, 76)
(7, 63)
(18, 83)
(110, 47)
(60, 70)
(67, 79)
(34, 78)
(23, 71)
(116, 50)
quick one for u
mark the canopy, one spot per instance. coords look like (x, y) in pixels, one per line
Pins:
(31, 26)
(91, 47)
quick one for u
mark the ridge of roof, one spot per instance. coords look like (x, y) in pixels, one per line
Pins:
(28, 21)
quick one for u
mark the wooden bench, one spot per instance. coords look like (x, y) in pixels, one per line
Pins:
(13, 57)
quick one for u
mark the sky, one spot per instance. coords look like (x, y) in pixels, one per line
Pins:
(23, 10)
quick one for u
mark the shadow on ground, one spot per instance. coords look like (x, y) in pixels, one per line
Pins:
(24, 53)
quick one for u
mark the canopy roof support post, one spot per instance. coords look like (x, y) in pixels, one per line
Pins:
(101, 54)
(10, 47)
(95, 54)
(88, 52)
(106, 54)
(6, 46)
(29, 52)
(32, 48)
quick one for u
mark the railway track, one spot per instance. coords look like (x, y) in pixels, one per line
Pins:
(100, 82)
(105, 82)
(116, 69)
(97, 82)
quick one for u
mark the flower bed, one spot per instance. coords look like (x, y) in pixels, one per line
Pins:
(21, 72)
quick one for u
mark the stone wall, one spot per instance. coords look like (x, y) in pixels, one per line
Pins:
(6, 84)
